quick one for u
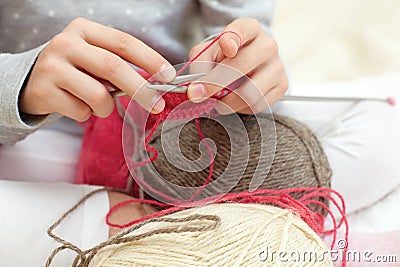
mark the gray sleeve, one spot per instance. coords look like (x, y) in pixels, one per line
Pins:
(15, 126)
(217, 14)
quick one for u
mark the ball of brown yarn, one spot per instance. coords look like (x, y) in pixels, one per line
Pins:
(298, 161)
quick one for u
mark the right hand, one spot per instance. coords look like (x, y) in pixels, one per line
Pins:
(68, 76)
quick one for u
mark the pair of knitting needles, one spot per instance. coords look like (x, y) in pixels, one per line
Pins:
(180, 85)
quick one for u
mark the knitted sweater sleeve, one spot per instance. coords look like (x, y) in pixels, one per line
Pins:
(14, 125)
(216, 15)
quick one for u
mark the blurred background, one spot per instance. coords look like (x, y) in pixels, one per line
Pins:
(345, 48)
(330, 41)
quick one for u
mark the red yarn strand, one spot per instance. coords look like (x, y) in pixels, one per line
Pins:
(211, 166)
(280, 198)
(206, 48)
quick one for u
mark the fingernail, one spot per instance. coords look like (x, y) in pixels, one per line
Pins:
(158, 104)
(234, 44)
(167, 73)
(197, 92)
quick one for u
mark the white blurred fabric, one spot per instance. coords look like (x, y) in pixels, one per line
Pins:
(28, 209)
(362, 142)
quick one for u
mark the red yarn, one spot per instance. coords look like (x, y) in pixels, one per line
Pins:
(102, 163)
(279, 198)
(206, 48)
(101, 159)
(210, 154)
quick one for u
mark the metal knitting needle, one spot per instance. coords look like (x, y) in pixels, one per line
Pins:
(173, 86)
(390, 100)
(187, 78)
(169, 87)
(117, 93)
(158, 87)
(182, 89)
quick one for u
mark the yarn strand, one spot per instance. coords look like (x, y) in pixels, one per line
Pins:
(84, 257)
(280, 198)
(162, 117)
(206, 48)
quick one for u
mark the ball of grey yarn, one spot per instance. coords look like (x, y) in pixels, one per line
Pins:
(299, 159)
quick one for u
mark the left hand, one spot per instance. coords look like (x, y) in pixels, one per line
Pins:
(251, 52)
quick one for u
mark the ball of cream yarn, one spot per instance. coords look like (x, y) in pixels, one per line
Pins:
(246, 235)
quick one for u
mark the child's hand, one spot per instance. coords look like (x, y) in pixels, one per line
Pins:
(257, 58)
(67, 75)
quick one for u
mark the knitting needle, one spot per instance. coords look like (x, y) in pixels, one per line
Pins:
(390, 100)
(184, 78)
(177, 85)
(160, 87)
(169, 87)
(117, 93)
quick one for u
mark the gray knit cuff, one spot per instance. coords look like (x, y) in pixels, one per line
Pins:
(14, 69)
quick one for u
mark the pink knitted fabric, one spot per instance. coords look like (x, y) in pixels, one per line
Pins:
(102, 160)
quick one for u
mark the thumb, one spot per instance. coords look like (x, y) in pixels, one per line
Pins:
(229, 43)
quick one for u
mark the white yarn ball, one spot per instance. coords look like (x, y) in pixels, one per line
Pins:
(246, 235)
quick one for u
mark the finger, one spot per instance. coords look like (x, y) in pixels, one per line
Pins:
(68, 105)
(240, 32)
(229, 70)
(206, 62)
(210, 54)
(271, 97)
(125, 46)
(108, 66)
(87, 89)
(253, 89)
(278, 91)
